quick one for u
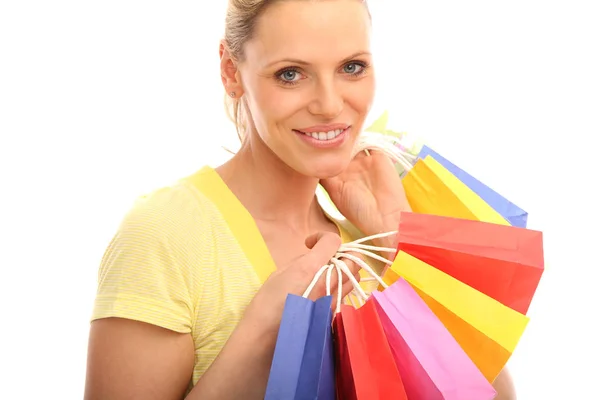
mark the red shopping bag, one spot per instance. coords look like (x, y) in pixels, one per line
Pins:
(374, 372)
(504, 262)
(343, 370)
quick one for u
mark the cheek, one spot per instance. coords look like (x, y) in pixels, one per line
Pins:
(361, 95)
(271, 105)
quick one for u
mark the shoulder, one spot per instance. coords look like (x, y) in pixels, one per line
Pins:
(153, 267)
(172, 212)
(170, 226)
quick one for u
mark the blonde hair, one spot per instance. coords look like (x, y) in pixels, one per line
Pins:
(240, 22)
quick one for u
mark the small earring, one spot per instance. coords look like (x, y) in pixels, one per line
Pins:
(232, 94)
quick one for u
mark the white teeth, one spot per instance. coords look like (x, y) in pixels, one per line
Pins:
(325, 135)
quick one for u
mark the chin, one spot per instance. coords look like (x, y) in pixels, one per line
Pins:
(326, 167)
(316, 163)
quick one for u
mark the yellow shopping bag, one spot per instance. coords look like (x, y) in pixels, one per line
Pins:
(432, 189)
(487, 330)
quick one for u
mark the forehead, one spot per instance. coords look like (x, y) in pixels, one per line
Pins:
(310, 30)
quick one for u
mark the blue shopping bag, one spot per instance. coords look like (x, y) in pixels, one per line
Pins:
(511, 212)
(318, 356)
(303, 366)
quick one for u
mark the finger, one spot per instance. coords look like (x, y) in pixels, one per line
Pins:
(346, 279)
(322, 237)
(347, 288)
(357, 276)
(353, 270)
(369, 152)
(323, 285)
(331, 185)
(352, 266)
(323, 247)
(363, 153)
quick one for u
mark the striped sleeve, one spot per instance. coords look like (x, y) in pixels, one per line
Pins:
(144, 274)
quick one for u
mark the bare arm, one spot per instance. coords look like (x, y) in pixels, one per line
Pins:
(133, 360)
(241, 370)
(504, 386)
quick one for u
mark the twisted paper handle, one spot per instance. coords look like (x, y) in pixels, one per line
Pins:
(329, 268)
(336, 262)
(389, 145)
(357, 246)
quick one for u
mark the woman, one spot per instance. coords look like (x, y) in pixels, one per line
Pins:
(192, 287)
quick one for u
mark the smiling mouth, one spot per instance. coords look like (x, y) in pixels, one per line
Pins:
(324, 136)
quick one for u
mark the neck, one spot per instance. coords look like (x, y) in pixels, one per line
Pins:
(269, 189)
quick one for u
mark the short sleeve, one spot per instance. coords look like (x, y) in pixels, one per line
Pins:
(144, 274)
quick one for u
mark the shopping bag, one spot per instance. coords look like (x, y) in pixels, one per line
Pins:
(432, 189)
(303, 366)
(318, 356)
(365, 367)
(487, 330)
(503, 262)
(375, 375)
(514, 214)
(432, 364)
(344, 379)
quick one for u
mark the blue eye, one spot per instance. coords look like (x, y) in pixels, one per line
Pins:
(288, 75)
(353, 68)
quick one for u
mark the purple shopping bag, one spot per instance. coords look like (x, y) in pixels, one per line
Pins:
(303, 366)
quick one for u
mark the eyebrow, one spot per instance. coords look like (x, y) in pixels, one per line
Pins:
(302, 62)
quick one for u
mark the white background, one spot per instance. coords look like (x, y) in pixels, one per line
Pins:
(102, 101)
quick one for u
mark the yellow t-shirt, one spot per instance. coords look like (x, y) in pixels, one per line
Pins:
(189, 258)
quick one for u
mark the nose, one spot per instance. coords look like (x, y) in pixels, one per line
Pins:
(328, 101)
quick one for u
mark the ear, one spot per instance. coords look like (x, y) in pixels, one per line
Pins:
(230, 75)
